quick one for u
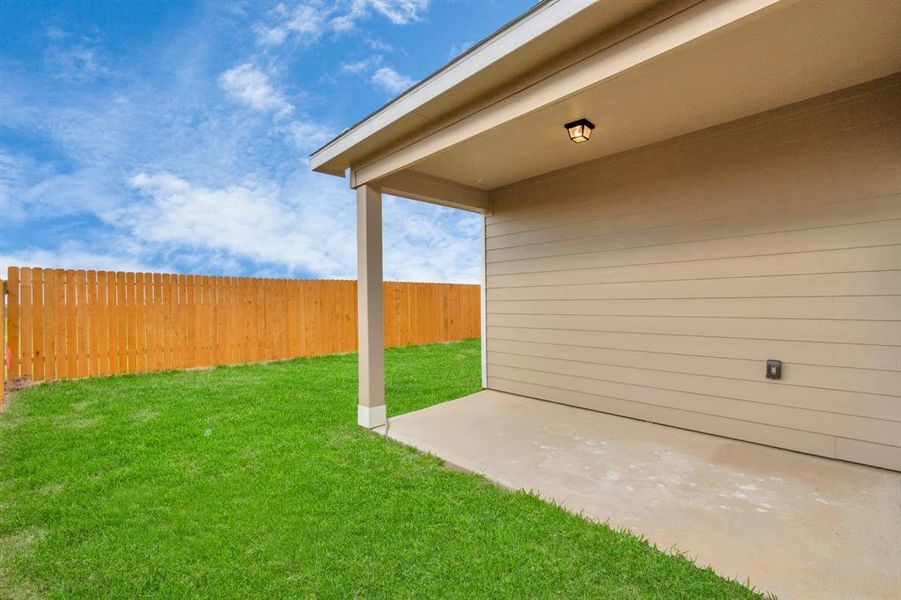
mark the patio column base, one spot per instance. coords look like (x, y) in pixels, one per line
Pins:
(371, 417)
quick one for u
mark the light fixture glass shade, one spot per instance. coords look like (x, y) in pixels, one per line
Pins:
(579, 131)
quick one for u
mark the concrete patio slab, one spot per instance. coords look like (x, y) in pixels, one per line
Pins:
(794, 525)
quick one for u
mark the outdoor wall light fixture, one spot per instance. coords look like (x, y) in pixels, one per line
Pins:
(579, 131)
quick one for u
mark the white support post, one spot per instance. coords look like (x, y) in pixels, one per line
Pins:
(370, 320)
(483, 303)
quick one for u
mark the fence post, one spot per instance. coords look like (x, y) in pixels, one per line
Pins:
(12, 323)
(3, 343)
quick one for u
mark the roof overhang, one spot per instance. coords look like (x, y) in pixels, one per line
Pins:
(640, 72)
(521, 44)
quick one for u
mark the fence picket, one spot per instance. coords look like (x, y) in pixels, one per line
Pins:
(93, 298)
(50, 312)
(60, 365)
(14, 292)
(37, 340)
(112, 299)
(139, 350)
(156, 323)
(103, 365)
(81, 321)
(2, 345)
(26, 334)
(168, 323)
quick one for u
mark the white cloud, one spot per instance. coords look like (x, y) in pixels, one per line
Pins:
(423, 242)
(362, 66)
(251, 86)
(55, 33)
(74, 255)
(348, 20)
(78, 63)
(68, 194)
(391, 81)
(252, 221)
(306, 225)
(378, 45)
(304, 22)
(307, 21)
(30, 189)
(11, 175)
(73, 59)
(309, 135)
(385, 78)
(458, 49)
(400, 12)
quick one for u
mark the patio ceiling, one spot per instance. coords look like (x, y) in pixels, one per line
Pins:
(782, 54)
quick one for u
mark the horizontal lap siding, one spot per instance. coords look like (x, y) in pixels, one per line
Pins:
(654, 284)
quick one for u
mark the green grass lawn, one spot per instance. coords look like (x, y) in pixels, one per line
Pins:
(255, 481)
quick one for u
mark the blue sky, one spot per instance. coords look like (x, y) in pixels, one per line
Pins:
(173, 136)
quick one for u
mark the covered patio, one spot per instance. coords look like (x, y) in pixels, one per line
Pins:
(734, 211)
(793, 525)
(691, 219)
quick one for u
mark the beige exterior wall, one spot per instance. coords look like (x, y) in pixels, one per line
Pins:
(655, 284)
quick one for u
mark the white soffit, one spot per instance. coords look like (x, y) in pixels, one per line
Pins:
(784, 54)
(626, 48)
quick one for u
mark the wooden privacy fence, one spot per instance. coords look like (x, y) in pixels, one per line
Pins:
(64, 324)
